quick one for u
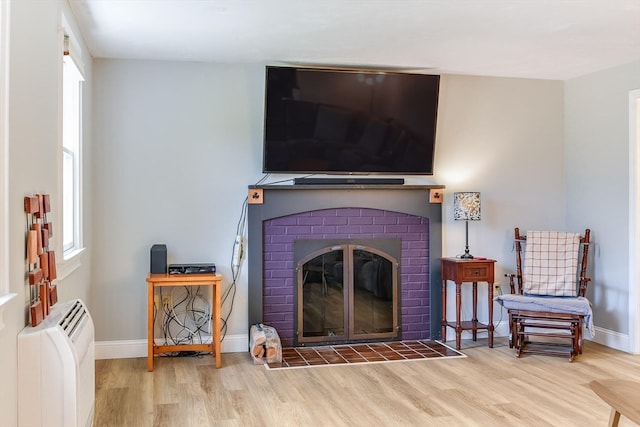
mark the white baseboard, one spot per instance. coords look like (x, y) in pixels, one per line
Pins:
(606, 337)
(612, 339)
(239, 343)
(138, 348)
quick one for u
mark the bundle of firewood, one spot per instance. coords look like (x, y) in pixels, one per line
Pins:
(265, 345)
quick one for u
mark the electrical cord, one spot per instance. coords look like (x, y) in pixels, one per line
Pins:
(230, 293)
(183, 322)
(466, 313)
(193, 320)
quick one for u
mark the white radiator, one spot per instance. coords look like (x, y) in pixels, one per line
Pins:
(56, 369)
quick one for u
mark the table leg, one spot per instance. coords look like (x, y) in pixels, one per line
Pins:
(458, 323)
(474, 331)
(216, 323)
(614, 418)
(444, 311)
(150, 320)
(491, 328)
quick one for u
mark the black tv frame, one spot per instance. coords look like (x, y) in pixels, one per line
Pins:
(359, 144)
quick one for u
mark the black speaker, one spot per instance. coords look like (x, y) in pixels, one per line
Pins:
(158, 259)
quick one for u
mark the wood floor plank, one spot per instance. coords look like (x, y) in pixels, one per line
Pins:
(490, 387)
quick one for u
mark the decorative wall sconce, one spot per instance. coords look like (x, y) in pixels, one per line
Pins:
(466, 206)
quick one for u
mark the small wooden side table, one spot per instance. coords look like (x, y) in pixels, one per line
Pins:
(467, 270)
(159, 280)
(621, 395)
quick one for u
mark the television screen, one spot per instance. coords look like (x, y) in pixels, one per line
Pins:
(349, 121)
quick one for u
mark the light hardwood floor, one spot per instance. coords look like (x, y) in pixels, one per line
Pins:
(490, 387)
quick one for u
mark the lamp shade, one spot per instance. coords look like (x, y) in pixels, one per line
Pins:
(466, 206)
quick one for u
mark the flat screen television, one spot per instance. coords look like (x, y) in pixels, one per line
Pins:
(349, 121)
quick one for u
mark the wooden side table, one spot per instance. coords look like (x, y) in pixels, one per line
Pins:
(473, 271)
(160, 280)
(621, 395)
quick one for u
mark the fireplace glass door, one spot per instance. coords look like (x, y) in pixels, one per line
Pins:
(347, 293)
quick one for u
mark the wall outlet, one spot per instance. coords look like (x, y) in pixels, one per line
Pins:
(238, 251)
(496, 288)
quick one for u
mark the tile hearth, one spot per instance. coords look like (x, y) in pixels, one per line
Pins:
(344, 354)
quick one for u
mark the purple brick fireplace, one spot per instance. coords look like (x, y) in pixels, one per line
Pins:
(346, 223)
(289, 214)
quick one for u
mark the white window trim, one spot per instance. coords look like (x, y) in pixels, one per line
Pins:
(71, 259)
(77, 246)
(5, 294)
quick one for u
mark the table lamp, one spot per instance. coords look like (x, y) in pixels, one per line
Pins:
(466, 206)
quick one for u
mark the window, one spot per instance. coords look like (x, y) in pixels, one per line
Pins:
(71, 154)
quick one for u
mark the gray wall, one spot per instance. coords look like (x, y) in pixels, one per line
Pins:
(597, 172)
(175, 150)
(177, 144)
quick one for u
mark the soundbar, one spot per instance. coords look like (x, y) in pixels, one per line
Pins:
(348, 181)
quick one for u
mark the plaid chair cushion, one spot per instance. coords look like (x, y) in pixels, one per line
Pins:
(551, 263)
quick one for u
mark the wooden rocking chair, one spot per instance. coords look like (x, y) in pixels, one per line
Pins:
(547, 305)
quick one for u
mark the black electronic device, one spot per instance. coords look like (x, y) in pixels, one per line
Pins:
(192, 268)
(348, 181)
(158, 258)
(349, 121)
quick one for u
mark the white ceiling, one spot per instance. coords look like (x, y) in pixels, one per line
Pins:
(548, 39)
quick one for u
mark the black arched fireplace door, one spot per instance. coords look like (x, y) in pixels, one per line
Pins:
(346, 292)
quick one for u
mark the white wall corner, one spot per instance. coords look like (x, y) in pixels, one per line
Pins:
(634, 223)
